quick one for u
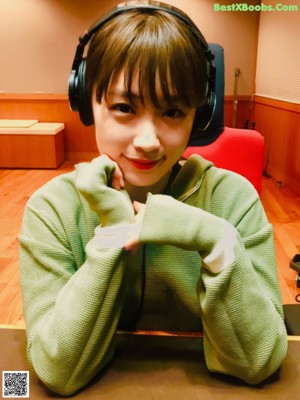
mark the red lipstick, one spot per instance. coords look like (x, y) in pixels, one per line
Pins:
(143, 164)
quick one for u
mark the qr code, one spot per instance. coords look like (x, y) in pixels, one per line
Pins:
(15, 384)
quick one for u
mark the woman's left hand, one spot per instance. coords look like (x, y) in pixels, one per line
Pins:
(132, 243)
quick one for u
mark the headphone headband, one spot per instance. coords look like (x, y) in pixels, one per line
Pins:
(77, 90)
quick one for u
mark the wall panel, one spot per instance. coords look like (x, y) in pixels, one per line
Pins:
(80, 141)
(279, 122)
(39, 38)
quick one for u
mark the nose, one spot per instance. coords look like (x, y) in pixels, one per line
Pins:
(146, 139)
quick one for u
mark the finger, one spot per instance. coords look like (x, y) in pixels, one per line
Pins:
(117, 181)
(132, 245)
(138, 206)
(139, 209)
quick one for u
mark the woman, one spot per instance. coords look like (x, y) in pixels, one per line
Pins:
(133, 240)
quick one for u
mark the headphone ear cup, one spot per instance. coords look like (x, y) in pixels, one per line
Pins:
(84, 103)
(73, 90)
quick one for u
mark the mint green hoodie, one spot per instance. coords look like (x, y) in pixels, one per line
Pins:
(207, 264)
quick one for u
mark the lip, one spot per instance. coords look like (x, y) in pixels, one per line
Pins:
(143, 163)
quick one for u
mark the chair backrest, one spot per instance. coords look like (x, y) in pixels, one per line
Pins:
(238, 150)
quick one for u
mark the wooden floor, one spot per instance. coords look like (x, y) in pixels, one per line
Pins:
(281, 205)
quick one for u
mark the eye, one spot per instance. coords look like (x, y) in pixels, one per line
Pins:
(123, 108)
(174, 113)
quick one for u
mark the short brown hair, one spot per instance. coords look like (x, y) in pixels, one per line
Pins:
(148, 44)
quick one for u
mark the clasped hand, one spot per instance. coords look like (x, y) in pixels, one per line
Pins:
(101, 183)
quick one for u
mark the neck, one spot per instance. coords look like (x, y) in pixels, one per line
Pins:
(139, 193)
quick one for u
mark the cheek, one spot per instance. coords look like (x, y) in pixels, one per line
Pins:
(180, 137)
(104, 142)
(110, 141)
(176, 142)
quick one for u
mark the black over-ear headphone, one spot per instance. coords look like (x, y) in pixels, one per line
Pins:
(78, 97)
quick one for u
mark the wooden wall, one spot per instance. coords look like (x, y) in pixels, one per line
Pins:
(244, 111)
(38, 50)
(278, 122)
(80, 142)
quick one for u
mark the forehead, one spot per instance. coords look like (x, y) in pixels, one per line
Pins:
(118, 87)
(117, 83)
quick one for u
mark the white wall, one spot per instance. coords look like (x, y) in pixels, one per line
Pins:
(38, 40)
(278, 57)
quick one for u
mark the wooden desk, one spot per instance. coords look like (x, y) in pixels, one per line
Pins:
(160, 368)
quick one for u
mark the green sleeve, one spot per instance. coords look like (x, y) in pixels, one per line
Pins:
(169, 221)
(241, 311)
(93, 180)
(71, 310)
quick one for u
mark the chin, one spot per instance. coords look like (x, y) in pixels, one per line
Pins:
(141, 181)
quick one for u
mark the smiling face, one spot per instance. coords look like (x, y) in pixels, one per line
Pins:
(146, 73)
(145, 140)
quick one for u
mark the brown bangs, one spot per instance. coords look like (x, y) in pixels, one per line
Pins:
(155, 47)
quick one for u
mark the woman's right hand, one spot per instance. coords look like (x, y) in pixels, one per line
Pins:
(101, 183)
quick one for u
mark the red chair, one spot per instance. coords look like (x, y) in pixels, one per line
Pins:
(238, 150)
